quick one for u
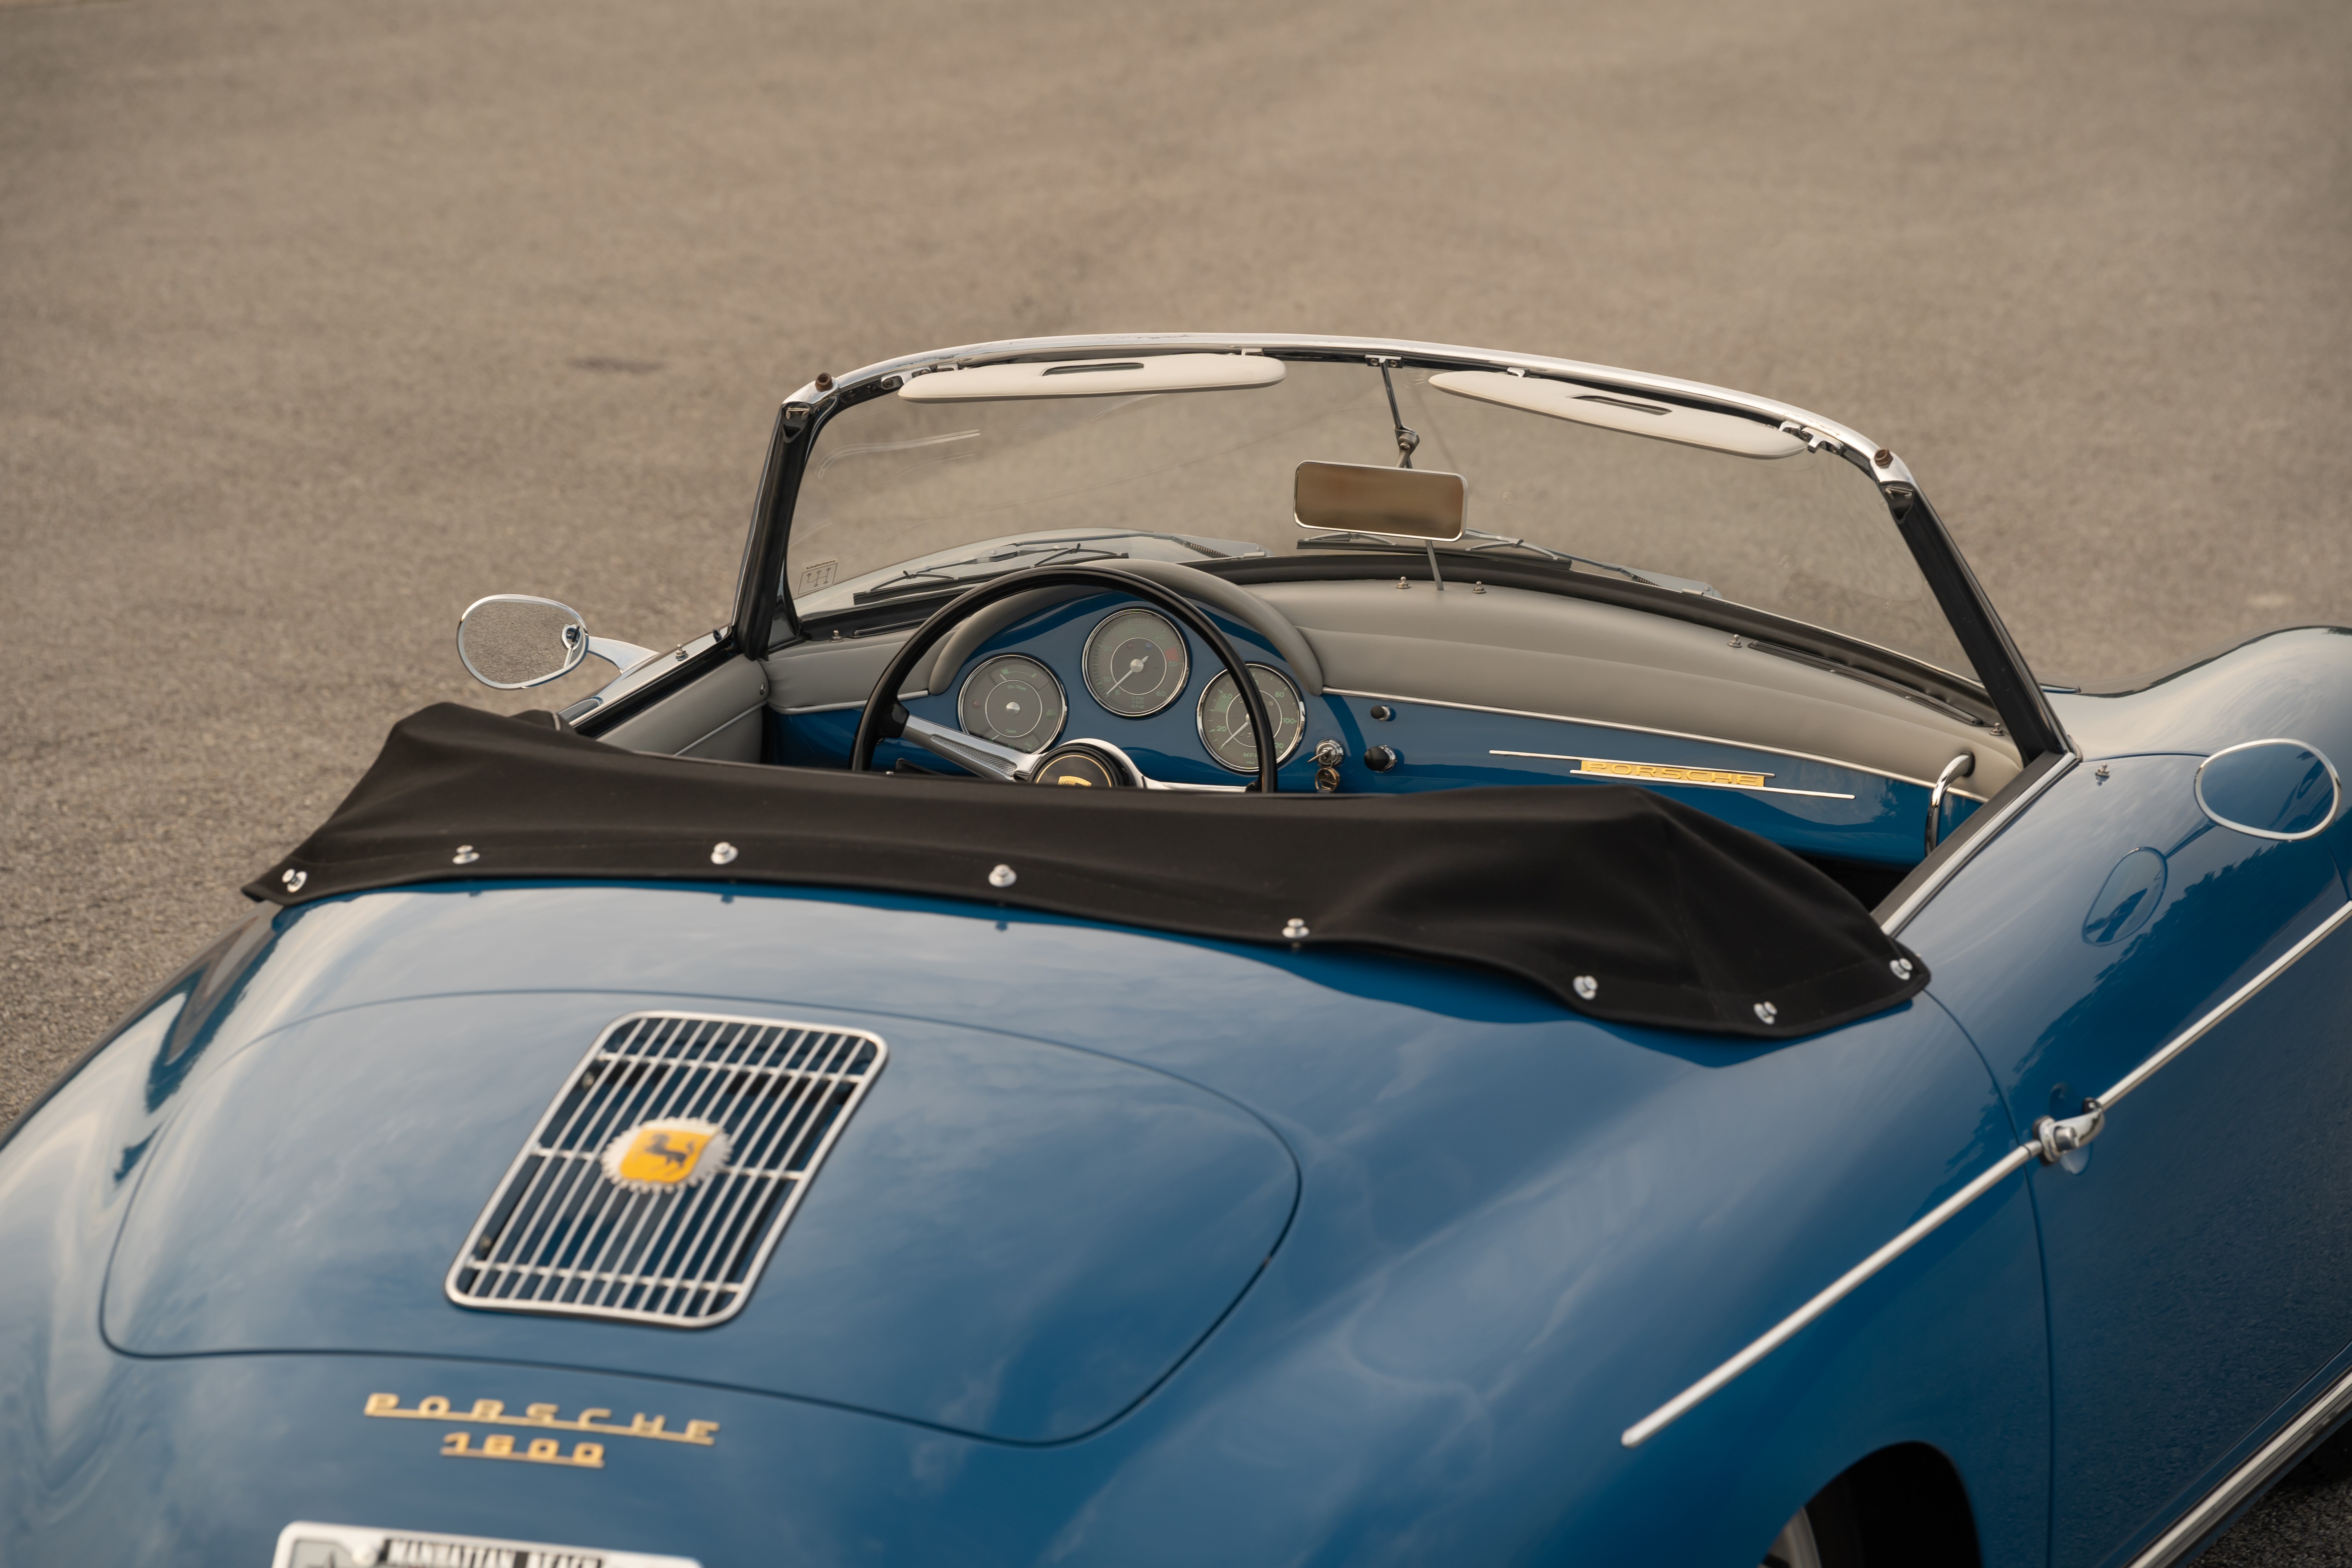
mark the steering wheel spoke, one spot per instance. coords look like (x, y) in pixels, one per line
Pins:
(968, 752)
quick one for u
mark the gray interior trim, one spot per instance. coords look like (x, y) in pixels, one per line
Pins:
(736, 741)
(688, 718)
(807, 677)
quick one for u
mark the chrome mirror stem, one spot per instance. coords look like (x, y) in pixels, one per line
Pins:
(623, 657)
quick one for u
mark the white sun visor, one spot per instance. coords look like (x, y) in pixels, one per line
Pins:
(1620, 410)
(1117, 376)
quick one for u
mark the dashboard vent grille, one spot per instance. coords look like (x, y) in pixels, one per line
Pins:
(601, 1216)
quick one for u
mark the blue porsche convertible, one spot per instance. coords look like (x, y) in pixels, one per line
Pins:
(1249, 950)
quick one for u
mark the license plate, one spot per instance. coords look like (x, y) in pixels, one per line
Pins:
(304, 1544)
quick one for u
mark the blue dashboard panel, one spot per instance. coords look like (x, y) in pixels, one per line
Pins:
(1810, 807)
(1806, 805)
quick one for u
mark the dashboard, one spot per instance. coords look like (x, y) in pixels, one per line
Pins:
(1108, 668)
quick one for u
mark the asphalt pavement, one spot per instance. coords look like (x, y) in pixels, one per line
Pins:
(320, 321)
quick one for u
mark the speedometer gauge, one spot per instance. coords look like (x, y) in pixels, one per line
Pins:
(1014, 702)
(1136, 662)
(1225, 721)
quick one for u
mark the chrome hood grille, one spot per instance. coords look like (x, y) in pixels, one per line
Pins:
(657, 1183)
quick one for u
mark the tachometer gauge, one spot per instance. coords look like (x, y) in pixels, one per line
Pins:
(1225, 721)
(1014, 702)
(1136, 662)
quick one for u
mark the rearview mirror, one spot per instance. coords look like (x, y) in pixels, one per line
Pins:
(1399, 503)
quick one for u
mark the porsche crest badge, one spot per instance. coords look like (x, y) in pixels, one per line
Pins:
(669, 1154)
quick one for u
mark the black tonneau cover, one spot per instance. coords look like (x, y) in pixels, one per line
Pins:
(1621, 903)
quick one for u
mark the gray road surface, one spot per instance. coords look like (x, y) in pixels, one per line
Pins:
(318, 321)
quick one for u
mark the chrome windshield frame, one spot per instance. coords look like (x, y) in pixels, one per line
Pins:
(765, 618)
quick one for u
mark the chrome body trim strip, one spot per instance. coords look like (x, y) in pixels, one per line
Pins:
(2237, 999)
(1643, 730)
(2189, 1530)
(1893, 924)
(2173, 1541)
(1649, 1425)
(1690, 784)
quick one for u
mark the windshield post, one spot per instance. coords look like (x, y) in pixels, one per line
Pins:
(2031, 722)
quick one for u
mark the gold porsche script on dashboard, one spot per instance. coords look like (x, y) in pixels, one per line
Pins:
(536, 1418)
(1669, 773)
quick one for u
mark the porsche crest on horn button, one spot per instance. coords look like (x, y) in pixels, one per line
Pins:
(668, 1154)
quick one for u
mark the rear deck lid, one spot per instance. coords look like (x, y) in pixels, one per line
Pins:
(949, 1224)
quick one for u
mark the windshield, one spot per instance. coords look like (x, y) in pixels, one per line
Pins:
(903, 497)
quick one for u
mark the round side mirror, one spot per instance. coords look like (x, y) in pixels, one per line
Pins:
(513, 640)
(2271, 789)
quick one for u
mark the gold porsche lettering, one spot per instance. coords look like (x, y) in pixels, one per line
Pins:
(1668, 773)
(541, 1417)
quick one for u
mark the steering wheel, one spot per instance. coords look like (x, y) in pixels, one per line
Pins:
(884, 719)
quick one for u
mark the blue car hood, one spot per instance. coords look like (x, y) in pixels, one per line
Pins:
(1011, 1238)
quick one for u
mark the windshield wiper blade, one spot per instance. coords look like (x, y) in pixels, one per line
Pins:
(1637, 573)
(936, 579)
(916, 579)
(1491, 543)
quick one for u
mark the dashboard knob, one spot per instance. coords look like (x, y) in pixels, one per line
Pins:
(1380, 758)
